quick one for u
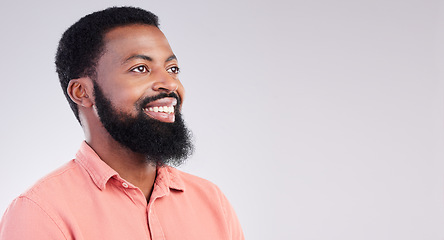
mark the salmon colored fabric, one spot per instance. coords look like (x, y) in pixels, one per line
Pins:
(87, 200)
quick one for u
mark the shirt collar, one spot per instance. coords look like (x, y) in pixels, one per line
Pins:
(97, 169)
(167, 177)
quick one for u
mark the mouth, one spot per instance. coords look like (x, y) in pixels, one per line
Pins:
(162, 109)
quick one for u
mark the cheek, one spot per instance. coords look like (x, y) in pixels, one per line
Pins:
(181, 93)
(125, 98)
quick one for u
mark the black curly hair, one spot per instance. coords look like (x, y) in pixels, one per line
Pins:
(82, 44)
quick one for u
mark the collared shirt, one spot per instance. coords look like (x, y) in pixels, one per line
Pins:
(87, 200)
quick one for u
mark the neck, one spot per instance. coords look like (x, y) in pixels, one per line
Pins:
(131, 166)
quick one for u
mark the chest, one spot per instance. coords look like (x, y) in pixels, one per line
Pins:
(127, 216)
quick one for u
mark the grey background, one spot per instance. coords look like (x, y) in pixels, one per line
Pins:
(318, 119)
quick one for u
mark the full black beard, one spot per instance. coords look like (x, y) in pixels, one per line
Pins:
(161, 143)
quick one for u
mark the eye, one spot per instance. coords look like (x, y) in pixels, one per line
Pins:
(140, 69)
(174, 70)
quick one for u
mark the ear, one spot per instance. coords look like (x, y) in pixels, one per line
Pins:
(80, 91)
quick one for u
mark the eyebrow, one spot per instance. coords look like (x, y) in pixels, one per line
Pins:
(148, 58)
(139, 56)
(172, 57)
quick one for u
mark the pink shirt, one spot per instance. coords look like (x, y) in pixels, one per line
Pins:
(86, 199)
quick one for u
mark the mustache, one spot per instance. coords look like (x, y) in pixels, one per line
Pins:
(147, 100)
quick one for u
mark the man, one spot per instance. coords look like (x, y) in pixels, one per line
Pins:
(120, 77)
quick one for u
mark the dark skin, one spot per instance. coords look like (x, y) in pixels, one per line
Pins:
(137, 63)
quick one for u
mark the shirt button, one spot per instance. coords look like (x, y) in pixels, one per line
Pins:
(125, 185)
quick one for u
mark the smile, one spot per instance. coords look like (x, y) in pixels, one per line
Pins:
(162, 109)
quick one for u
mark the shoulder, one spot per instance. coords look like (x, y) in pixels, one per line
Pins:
(200, 190)
(21, 218)
(208, 195)
(56, 181)
(35, 206)
(57, 189)
(194, 183)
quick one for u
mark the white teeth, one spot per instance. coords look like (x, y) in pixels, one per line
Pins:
(164, 109)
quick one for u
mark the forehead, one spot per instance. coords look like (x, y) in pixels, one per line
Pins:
(136, 39)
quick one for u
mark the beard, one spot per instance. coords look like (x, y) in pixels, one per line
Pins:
(162, 143)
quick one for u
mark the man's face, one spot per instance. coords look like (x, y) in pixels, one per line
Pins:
(138, 62)
(138, 94)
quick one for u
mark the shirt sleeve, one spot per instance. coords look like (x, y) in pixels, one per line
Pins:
(25, 219)
(234, 226)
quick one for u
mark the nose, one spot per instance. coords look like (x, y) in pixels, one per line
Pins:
(165, 83)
